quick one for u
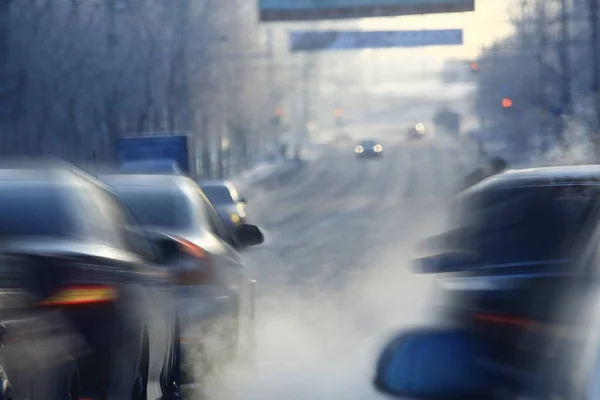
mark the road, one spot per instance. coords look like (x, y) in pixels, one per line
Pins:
(334, 277)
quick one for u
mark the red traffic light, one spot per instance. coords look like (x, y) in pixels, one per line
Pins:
(338, 112)
(278, 112)
(474, 66)
(506, 102)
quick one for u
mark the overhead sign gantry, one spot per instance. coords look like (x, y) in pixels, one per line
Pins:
(306, 10)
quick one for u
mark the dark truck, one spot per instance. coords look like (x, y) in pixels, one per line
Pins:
(161, 152)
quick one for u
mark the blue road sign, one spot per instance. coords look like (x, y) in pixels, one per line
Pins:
(347, 40)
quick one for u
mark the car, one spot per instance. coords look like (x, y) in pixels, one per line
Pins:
(213, 289)
(518, 273)
(368, 148)
(86, 310)
(226, 200)
(417, 132)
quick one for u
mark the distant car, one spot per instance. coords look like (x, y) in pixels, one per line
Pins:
(227, 202)
(417, 132)
(368, 148)
(213, 290)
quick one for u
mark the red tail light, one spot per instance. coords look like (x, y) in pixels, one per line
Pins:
(199, 271)
(505, 320)
(77, 295)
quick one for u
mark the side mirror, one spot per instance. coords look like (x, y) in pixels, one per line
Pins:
(144, 247)
(249, 235)
(435, 365)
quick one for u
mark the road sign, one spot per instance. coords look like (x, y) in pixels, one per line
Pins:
(301, 10)
(346, 40)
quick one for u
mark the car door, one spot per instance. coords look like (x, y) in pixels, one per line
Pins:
(228, 258)
(157, 312)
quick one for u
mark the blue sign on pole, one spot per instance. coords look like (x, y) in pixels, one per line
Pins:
(346, 40)
(302, 10)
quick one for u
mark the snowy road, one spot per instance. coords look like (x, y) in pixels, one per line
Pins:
(334, 278)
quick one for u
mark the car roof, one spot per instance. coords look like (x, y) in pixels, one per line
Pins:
(216, 183)
(145, 181)
(369, 140)
(55, 173)
(540, 176)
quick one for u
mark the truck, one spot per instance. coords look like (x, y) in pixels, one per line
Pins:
(160, 152)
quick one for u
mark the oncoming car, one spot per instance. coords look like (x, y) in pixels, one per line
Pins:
(368, 148)
(417, 132)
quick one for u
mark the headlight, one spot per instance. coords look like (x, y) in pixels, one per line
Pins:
(358, 149)
(235, 218)
(377, 148)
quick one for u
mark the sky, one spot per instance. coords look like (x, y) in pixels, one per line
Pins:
(489, 22)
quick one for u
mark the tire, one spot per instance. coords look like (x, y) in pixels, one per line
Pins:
(67, 385)
(140, 385)
(171, 378)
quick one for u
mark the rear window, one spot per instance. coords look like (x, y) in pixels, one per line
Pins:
(218, 194)
(525, 224)
(33, 209)
(158, 208)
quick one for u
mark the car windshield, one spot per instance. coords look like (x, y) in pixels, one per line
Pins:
(156, 207)
(33, 209)
(525, 224)
(218, 194)
(368, 143)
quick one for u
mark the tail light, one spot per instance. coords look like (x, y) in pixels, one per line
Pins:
(80, 295)
(196, 269)
(505, 320)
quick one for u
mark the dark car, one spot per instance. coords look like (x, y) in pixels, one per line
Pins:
(87, 312)
(417, 132)
(369, 148)
(226, 200)
(213, 289)
(520, 271)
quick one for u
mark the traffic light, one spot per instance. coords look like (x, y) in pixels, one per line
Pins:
(474, 66)
(506, 102)
(338, 112)
(277, 115)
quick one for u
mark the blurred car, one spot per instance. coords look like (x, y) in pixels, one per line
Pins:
(87, 312)
(213, 289)
(520, 274)
(226, 200)
(368, 148)
(416, 132)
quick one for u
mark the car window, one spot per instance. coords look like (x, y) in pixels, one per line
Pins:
(218, 194)
(158, 207)
(100, 221)
(37, 209)
(525, 224)
(214, 220)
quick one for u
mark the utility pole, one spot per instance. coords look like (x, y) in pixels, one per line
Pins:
(270, 78)
(594, 49)
(565, 59)
(305, 105)
(541, 34)
(4, 40)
